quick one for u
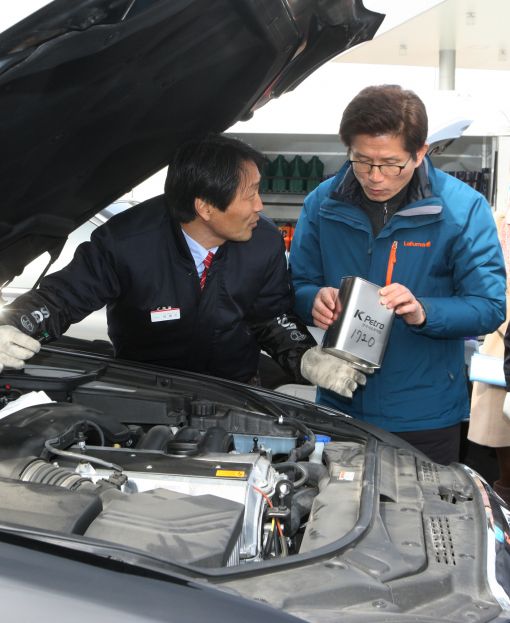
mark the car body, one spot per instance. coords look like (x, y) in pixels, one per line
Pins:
(136, 493)
(93, 327)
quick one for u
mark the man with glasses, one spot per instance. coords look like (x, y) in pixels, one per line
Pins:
(429, 241)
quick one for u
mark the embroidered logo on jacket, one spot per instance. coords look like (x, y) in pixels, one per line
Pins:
(40, 314)
(294, 333)
(417, 244)
(28, 325)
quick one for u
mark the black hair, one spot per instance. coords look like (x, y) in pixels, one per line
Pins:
(210, 169)
(386, 109)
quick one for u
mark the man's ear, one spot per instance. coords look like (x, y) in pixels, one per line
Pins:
(203, 209)
(421, 153)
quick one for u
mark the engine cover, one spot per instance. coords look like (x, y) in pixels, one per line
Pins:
(242, 478)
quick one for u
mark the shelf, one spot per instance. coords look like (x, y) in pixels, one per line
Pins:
(283, 206)
(282, 213)
(283, 198)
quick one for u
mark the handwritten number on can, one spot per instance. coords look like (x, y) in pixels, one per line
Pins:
(360, 336)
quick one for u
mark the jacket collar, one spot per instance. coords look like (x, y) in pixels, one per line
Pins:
(180, 240)
(346, 187)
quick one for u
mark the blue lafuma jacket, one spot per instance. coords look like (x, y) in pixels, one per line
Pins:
(447, 254)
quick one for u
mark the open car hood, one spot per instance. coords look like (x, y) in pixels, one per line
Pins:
(96, 94)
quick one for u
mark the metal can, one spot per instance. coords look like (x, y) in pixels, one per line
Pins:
(361, 331)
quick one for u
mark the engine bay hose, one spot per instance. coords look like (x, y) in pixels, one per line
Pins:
(42, 472)
(296, 467)
(303, 451)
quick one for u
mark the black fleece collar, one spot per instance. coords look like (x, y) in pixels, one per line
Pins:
(349, 189)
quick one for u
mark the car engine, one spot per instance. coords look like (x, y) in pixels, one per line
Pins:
(195, 493)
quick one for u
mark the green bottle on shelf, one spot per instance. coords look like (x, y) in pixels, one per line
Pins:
(279, 173)
(297, 174)
(314, 174)
(265, 177)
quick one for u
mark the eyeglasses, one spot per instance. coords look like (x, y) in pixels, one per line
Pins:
(389, 170)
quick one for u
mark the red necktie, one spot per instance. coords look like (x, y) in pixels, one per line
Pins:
(207, 263)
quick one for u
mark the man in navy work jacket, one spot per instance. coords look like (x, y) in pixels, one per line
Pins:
(195, 279)
(429, 241)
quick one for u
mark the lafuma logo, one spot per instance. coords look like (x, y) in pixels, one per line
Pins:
(417, 244)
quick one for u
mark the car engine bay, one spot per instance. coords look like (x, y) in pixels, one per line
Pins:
(187, 495)
(214, 486)
(233, 485)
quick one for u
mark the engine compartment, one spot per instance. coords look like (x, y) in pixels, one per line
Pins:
(175, 472)
(218, 485)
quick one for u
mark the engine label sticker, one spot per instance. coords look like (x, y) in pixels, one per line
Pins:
(161, 314)
(342, 475)
(231, 473)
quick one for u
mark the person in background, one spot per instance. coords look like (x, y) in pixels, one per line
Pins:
(430, 242)
(488, 425)
(195, 279)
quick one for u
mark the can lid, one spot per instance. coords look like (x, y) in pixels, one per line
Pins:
(323, 438)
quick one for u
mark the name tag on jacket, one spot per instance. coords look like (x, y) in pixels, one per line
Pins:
(161, 314)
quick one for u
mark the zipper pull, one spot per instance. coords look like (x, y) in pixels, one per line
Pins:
(385, 213)
(392, 260)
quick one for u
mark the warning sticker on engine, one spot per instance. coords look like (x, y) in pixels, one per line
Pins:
(230, 473)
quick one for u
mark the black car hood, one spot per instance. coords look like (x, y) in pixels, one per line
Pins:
(96, 94)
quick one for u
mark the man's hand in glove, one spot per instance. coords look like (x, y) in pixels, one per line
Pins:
(330, 372)
(15, 347)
